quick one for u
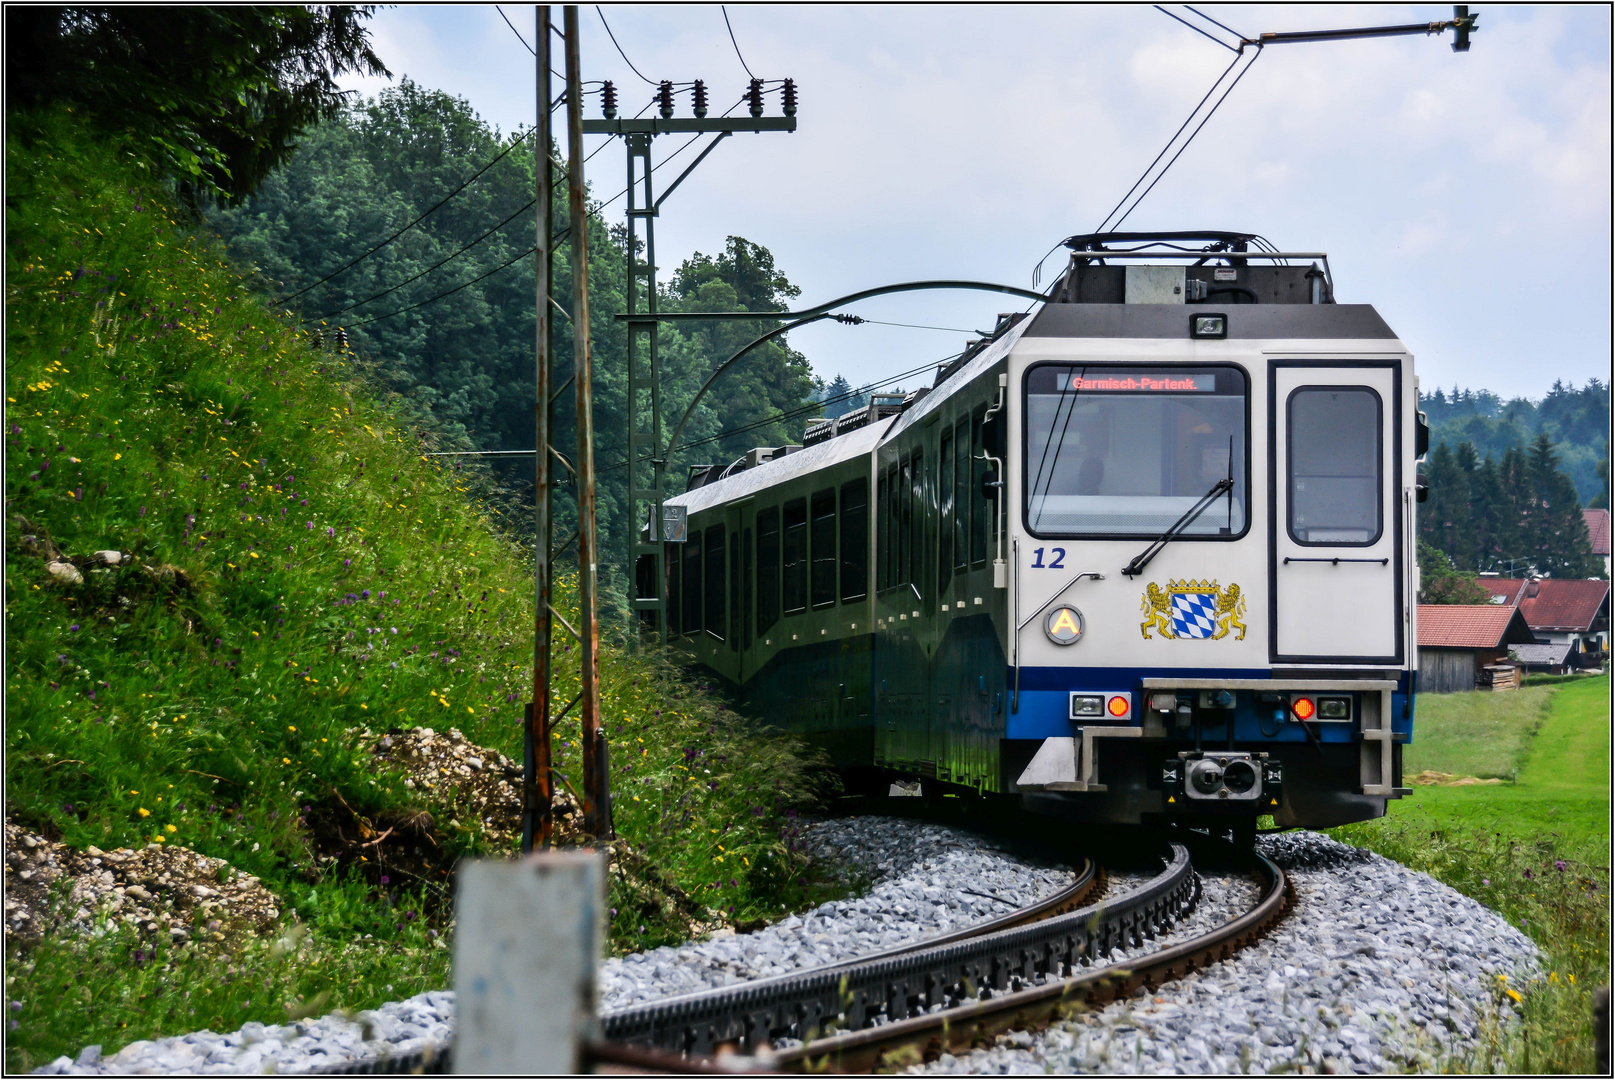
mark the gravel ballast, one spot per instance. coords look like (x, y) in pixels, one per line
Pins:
(1377, 969)
(1401, 968)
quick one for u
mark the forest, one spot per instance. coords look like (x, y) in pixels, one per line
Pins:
(443, 314)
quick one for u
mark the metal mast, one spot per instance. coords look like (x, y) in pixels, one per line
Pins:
(647, 456)
(596, 798)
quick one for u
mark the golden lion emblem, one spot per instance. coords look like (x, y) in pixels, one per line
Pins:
(1193, 609)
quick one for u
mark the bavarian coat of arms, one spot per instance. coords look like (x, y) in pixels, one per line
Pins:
(1193, 609)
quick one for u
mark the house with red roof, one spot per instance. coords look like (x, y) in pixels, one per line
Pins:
(1598, 533)
(1465, 646)
(1569, 611)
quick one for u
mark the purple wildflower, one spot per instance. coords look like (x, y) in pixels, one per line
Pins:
(73, 629)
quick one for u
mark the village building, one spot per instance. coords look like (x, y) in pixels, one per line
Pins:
(1598, 533)
(1466, 646)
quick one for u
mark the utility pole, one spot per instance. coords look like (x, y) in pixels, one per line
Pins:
(538, 771)
(537, 801)
(647, 456)
(596, 793)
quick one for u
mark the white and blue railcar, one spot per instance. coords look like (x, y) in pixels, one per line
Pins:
(1145, 554)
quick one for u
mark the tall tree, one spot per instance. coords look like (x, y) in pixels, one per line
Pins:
(214, 96)
(1554, 530)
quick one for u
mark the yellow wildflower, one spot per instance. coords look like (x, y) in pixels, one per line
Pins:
(144, 812)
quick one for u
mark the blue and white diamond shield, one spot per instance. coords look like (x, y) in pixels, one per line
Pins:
(1194, 615)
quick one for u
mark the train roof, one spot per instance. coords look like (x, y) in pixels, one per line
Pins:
(809, 459)
(1245, 321)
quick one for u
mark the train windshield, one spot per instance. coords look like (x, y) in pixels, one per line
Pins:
(1125, 451)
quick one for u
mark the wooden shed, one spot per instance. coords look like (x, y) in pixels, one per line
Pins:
(1462, 646)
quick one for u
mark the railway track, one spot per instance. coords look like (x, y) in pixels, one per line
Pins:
(1020, 971)
(969, 1024)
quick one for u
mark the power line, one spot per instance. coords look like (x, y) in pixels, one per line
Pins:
(467, 183)
(515, 31)
(464, 285)
(1255, 57)
(732, 40)
(361, 303)
(620, 53)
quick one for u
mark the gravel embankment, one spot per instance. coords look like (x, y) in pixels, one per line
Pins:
(925, 880)
(1378, 969)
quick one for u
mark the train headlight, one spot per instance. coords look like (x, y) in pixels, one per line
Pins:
(1334, 708)
(1064, 625)
(1087, 706)
(1208, 326)
(1303, 708)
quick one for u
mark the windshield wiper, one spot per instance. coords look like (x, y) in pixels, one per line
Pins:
(1142, 559)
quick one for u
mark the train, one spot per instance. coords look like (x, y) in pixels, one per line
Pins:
(1142, 554)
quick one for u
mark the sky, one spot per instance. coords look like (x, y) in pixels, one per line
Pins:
(1465, 195)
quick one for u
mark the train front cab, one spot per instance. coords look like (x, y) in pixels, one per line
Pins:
(1260, 662)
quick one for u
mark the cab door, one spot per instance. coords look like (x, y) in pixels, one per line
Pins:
(1335, 512)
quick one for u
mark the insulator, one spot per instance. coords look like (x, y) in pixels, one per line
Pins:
(342, 339)
(754, 95)
(664, 94)
(700, 98)
(789, 97)
(316, 339)
(608, 100)
(850, 320)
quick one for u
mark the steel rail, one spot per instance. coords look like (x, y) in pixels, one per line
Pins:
(858, 993)
(959, 1029)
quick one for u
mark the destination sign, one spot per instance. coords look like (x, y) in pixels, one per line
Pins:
(1174, 384)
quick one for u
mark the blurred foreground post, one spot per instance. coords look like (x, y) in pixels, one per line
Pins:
(528, 938)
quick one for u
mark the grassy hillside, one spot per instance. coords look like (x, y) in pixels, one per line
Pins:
(294, 579)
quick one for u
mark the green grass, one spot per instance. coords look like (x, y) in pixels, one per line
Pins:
(1479, 733)
(1538, 852)
(300, 571)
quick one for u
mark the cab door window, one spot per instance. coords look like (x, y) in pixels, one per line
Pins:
(1335, 436)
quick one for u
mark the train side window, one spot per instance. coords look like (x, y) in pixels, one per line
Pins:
(823, 577)
(883, 532)
(675, 587)
(854, 540)
(795, 547)
(917, 525)
(748, 588)
(905, 519)
(734, 592)
(767, 569)
(980, 507)
(944, 490)
(961, 495)
(1334, 465)
(691, 623)
(715, 584)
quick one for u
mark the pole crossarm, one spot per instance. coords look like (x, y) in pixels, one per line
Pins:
(822, 309)
(658, 125)
(1462, 21)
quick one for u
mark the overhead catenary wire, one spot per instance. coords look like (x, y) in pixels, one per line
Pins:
(1257, 55)
(1187, 120)
(1205, 34)
(1214, 22)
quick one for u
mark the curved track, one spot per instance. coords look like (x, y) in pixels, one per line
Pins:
(958, 1029)
(949, 993)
